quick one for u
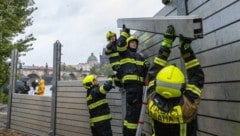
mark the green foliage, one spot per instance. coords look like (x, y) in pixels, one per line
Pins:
(3, 97)
(105, 70)
(94, 70)
(15, 16)
(68, 68)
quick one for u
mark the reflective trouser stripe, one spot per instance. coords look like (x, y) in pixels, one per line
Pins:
(152, 123)
(183, 129)
(99, 118)
(191, 64)
(96, 104)
(130, 125)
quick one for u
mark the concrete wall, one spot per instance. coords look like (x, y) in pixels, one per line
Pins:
(218, 53)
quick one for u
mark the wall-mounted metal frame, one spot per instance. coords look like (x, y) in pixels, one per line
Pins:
(189, 26)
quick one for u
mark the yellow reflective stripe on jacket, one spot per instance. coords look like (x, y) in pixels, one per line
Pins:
(96, 104)
(193, 88)
(117, 79)
(115, 63)
(130, 125)
(102, 90)
(151, 83)
(191, 63)
(131, 60)
(89, 97)
(100, 118)
(108, 51)
(160, 62)
(114, 54)
(121, 49)
(132, 77)
(183, 129)
(173, 116)
(127, 60)
(141, 63)
(124, 34)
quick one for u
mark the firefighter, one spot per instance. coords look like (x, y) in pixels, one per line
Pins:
(111, 49)
(41, 87)
(113, 55)
(98, 106)
(132, 72)
(173, 102)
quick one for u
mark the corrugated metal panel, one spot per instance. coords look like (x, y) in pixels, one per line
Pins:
(218, 53)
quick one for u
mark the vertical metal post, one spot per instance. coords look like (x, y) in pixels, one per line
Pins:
(12, 85)
(56, 78)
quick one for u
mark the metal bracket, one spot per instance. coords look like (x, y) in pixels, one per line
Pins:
(189, 26)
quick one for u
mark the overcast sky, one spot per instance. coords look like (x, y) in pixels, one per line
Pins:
(80, 25)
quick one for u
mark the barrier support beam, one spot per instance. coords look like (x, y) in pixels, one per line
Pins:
(189, 26)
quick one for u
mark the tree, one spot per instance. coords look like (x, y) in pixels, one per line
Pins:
(106, 70)
(94, 70)
(15, 16)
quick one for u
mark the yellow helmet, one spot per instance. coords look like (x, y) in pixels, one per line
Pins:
(132, 38)
(169, 82)
(110, 34)
(88, 81)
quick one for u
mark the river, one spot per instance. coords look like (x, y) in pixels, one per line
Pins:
(47, 91)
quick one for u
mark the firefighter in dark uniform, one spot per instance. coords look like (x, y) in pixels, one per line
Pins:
(113, 55)
(173, 102)
(98, 106)
(111, 50)
(132, 72)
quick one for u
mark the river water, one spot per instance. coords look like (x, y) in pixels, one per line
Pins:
(47, 91)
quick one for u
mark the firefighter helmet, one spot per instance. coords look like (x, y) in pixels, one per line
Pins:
(110, 34)
(169, 82)
(132, 38)
(88, 81)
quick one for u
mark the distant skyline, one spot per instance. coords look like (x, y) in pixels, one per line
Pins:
(80, 25)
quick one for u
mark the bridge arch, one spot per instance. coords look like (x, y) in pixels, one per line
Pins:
(33, 76)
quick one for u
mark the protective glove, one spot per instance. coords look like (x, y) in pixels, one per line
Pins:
(108, 85)
(184, 42)
(169, 37)
(124, 29)
(146, 64)
(117, 81)
(119, 73)
(191, 96)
